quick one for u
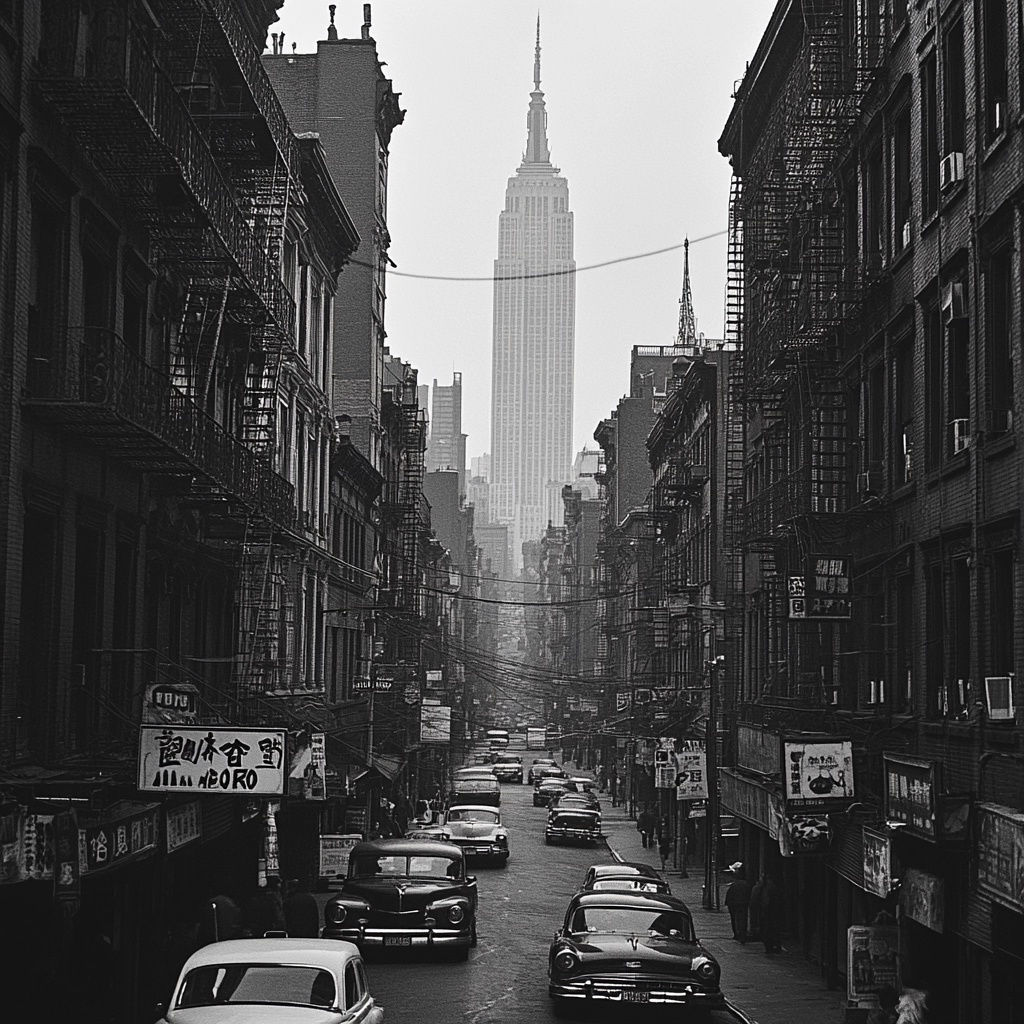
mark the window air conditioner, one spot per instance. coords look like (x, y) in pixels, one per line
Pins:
(961, 434)
(951, 170)
(954, 304)
(998, 421)
(999, 698)
(698, 474)
(869, 483)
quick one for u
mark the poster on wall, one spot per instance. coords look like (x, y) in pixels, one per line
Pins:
(819, 773)
(212, 759)
(334, 854)
(872, 962)
(923, 898)
(877, 863)
(1000, 852)
(435, 723)
(307, 767)
(692, 772)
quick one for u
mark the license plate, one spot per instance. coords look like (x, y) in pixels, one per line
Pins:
(630, 996)
(397, 940)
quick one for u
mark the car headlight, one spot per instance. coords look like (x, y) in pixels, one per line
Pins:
(456, 913)
(501, 837)
(566, 960)
(335, 913)
(707, 970)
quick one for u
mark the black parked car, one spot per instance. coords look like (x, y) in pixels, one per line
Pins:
(619, 869)
(405, 893)
(630, 947)
(572, 824)
(546, 789)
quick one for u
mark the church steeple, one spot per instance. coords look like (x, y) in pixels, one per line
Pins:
(537, 152)
(687, 321)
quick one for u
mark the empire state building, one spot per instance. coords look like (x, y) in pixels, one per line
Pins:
(534, 331)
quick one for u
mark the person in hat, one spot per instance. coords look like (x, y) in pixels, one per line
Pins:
(737, 901)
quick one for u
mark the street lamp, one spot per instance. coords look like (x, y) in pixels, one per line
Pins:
(710, 900)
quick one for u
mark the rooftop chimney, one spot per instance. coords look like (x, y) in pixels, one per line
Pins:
(366, 21)
(332, 32)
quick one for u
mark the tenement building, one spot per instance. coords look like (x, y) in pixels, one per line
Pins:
(875, 759)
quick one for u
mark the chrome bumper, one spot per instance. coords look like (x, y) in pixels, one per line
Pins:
(577, 835)
(610, 991)
(419, 938)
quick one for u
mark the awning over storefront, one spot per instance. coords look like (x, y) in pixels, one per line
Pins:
(749, 798)
(384, 765)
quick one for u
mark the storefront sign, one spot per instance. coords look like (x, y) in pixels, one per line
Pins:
(823, 591)
(1000, 851)
(800, 834)
(911, 788)
(692, 773)
(877, 863)
(67, 871)
(872, 962)
(171, 704)
(126, 832)
(435, 723)
(923, 898)
(747, 798)
(215, 759)
(819, 773)
(334, 854)
(184, 825)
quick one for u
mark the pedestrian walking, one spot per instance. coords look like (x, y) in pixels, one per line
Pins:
(885, 1011)
(771, 907)
(664, 841)
(645, 826)
(754, 930)
(737, 902)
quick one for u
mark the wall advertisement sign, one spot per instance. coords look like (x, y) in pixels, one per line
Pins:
(1000, 852)
(818, 773)
(691, 772)
(872, 962)
(435, 723)
(923, 898)
(184, 825)
(171, 704)
(877, 862)
(212, 759)
(911, 792)
(750, 800)
(823, 591)
(334, 854)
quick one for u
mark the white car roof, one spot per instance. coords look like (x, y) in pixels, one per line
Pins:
(330, 954)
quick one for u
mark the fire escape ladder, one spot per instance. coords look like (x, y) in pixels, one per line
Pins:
(735, 467)
(734, 266)
(259, 611)
(828, 443)
(413, 429)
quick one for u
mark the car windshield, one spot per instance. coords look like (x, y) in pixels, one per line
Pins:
(635, 882)
(632, 921)
(467, 814)
(400, 866)
(507, 759)
(272, 984)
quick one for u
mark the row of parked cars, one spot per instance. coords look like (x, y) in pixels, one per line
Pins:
(574, 811)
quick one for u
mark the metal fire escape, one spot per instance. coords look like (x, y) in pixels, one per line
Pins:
(414, 429)
(801, 285)
(176, 111)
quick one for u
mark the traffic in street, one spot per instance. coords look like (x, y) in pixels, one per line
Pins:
(521, 905)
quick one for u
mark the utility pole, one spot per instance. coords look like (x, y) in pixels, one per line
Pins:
(369, 750)
(710, 900)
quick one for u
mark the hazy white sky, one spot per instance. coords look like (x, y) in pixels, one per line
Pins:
(637, 95)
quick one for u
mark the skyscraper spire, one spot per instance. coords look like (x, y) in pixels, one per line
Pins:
(537, 152)
(687, 321)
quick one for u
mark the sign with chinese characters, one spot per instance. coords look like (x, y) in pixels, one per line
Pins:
(877, 863)
(1000, 851)
(171, 704)
(184, 825)
(923, 898)
(434, 678)
(911, 788)
(435, 723)
(872, 962)
(67, 870)
(691, 772)
(823, 592)
(119, 837)
(819, 772)
(215, 759)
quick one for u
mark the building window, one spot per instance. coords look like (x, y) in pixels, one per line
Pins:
(954, 88)
(46, 295)
(958, 393)
(998, 340)
(899, 15)
(959, 697)
(903, 641)
(994, 66)
(874, 419)
(1001, 613)
(874, 203)
(933, 362)
(901, 187)
(929, 137)
(903, 413)
(934, 639)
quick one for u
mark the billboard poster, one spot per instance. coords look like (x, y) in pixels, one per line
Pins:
(435, 723)
(911, 792)
(819, 772)
(877, 863)
(1000, 852)
(923, 898)
(334, 854)
(692, 774)
(212, 759)
(872, 962)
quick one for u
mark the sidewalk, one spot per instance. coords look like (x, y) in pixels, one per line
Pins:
(780, 989)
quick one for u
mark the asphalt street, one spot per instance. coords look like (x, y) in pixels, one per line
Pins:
(505, 979)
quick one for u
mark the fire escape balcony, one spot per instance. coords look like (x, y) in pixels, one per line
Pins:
(137, 131)
(102, 392)
(782, 499)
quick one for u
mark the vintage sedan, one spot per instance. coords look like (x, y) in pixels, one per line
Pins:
(546, 789)
(624, 867)
(508, 768)
(571, 824)
(538, 764)
(277, 981)
(630, 947)
(479, 832)
(541, 772)
(629, 883)
(405, 893)
(437, 832)
(571, 799)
